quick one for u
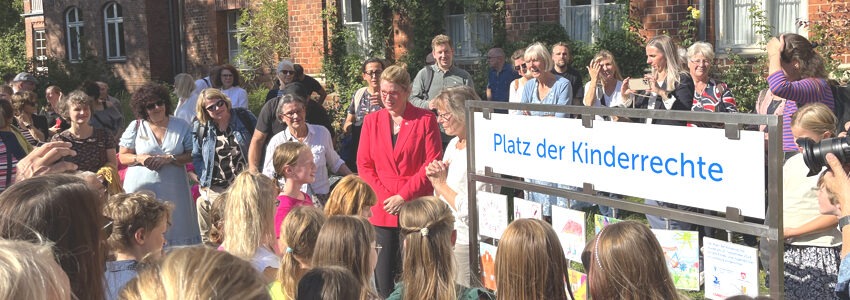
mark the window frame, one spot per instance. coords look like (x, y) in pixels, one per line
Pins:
(596, 14)
(116, 32)
(467, 46)
(39, 48)
(78, 27)
(770, 8)
(233, 30)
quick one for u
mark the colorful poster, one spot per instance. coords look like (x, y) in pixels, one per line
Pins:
(570, 227)
(600, 221)
(681, 250)
(730, 269)
(492, 214)
(578, 283)
(524, 209)
(488, 265)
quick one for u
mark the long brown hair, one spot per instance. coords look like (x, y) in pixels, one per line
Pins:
(350, 197)
(426, 226)
(530, 263)
(299, 232)
(347, 241)
(62, 209)
(625, 261)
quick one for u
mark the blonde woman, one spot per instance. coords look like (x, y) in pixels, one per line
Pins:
(28, 271)
(351, 196)
(249, 222)
(197, 273)
(349, 241)
(603, 89)
(427, 228)
(625, 261)
(516, 88)
(525, 268)
(299, 232)
(184, 89)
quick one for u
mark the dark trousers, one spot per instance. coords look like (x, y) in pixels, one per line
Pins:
(389, 260)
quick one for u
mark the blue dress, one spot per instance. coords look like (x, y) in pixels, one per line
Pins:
(170, 182)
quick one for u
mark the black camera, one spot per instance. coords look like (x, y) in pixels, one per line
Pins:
(814, 153)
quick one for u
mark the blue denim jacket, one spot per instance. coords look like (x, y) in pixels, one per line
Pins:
(203, 148)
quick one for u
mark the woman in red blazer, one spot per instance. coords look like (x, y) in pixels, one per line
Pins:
(396, 143)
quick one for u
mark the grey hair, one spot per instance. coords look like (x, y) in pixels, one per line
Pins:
(701, 48)
(289, 98)
(538, 52)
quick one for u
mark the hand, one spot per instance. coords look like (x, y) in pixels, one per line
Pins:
(375, 100)
(155, 163)
(437, 171)
(593, 69)
(46, 160)
(625, 91)
(775, 46)
(193, 178)
(393, 204)
(836, 181)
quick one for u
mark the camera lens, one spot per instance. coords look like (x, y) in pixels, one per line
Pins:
(814, 154)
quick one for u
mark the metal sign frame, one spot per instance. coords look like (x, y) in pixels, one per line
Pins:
(733, 221)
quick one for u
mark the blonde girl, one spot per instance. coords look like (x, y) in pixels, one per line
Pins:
(248, 221)
(349, 241)
(352, 196)
(427, 228)
(294, 162)
(525, 267)
(136, 230)
(298, 235)
(28, 271)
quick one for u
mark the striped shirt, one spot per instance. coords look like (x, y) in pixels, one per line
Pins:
(798, 93)
(6, 168)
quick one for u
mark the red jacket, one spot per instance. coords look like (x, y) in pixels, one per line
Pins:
(398, 170)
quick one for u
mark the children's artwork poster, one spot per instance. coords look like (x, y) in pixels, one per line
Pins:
(487, 253)
(492, 214)
(681, 250)
(600, 221)
(730, 269)
(578, 283)
(569, 226)
(524, 209)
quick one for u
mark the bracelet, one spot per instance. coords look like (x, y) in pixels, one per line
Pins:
(135, 159)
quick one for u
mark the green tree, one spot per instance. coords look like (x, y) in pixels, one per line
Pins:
(12, 40)
(266, 35)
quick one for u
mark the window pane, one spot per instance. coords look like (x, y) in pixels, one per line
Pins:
(738, 26)
(110, 11)
(785, 16)
(578, 22)
(356, 11)
(233, 19)
(74, 44)
(118, 13)
(119, 41)
(72, 15)
(457, 32)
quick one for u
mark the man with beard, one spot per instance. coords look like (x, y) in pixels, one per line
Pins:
(563, 57)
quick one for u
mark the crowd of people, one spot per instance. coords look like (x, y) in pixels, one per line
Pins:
(93, 207)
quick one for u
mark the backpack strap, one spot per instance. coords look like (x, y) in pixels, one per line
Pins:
(357, 96)
(426, 82)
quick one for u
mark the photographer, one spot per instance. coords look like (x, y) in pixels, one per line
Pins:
(838, 184)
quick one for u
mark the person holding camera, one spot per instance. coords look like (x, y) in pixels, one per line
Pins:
(833, 197)
(812, 240)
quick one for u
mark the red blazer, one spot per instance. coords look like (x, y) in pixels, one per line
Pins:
(398, 170)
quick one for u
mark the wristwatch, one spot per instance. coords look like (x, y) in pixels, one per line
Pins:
(843, 221)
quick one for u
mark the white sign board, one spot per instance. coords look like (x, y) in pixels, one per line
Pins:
(691, 166)
(730, 269)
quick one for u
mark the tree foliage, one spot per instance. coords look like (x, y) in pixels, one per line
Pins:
(265, 39)
(12, 39)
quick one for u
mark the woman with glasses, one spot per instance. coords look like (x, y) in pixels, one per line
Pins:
(364, 101)
(709, 95)
(518, 85)
(292, 110)
(156, 147)
(95, 147)
(219, 149)
(227, 79)
(32, 125)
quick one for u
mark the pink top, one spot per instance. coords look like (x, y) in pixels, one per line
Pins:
(286, 204)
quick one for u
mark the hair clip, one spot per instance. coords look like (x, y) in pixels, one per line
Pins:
(288, 250)
(105, 227)
(423, 231)
(596, 248)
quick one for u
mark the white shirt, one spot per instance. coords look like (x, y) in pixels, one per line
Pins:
(613, 100)
(238, 96)
(800, 204)
(515, 95)
(319, 140)
(265, 258)
(457, 181)
(185, 110)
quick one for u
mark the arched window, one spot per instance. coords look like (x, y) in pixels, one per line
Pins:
(113, 21)
(74, 33)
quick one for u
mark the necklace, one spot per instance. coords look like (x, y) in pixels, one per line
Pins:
(396, 125)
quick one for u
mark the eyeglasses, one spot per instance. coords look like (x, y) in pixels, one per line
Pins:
(152, 106)
(378, 249)
(215, 106)
(226, 75)
(287, 72)
(373, 73)
(444, 117)
(291, 115)
(701, 62)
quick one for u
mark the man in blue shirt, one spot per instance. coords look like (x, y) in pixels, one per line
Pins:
(499, 77)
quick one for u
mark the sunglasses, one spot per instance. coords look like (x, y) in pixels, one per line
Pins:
(287, 72)
(215, 106)
(520, 67)
(151, 106)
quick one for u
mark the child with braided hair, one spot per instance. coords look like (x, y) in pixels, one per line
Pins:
(427, 229)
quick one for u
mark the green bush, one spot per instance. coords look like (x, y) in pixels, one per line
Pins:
(256, 99)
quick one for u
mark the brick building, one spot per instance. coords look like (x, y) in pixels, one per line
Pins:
(156, 39)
